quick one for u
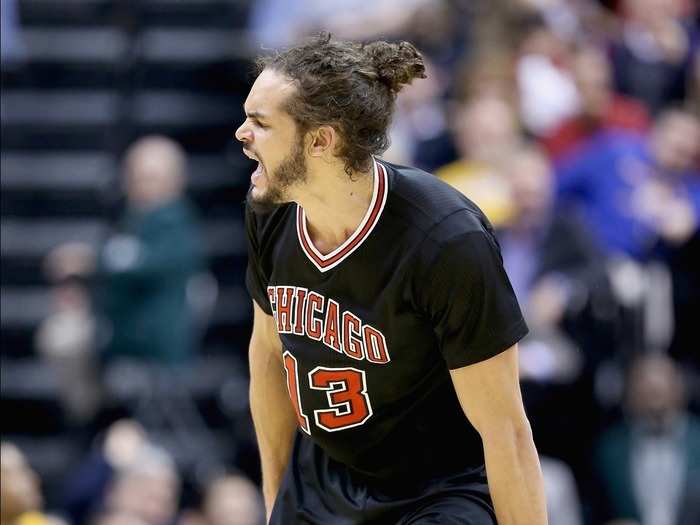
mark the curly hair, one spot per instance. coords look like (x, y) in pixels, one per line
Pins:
(349, 86)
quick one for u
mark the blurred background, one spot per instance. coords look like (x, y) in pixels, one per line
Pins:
(125, 322)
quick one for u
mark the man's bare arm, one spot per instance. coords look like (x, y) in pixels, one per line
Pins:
(489, 393)
(273, 414)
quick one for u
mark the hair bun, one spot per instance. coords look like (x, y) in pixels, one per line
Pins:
(395, 64)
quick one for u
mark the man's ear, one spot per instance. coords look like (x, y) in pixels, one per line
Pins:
(323, 141)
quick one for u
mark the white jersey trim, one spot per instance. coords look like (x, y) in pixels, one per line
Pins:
(329, 261)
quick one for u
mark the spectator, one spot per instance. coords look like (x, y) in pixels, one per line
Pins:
(440, 31)
(633, 192)
(652, 58)
(86, 488)
(485, 132)
(670, 204)
(20, 487)
(559, 278)
(556, 271)
(601, 108)
(546, 87)
(233, 500)
(147, 488)
(146, 267)
(649, 464)
(489, 72)
(21, 500)
(419, 131)
(67, 337)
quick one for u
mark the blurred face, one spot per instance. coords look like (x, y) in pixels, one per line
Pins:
(531, 182)
(19, 490)
(592, 73)
(145, 186)
(676, 141)
(153, 173)
(159, 498)
(654, 392)
(233, 501)
(486, 128)
(270, 136)
(152, 496)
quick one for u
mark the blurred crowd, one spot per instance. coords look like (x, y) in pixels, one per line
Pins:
(575, 126)
(129, 302)
(126, 480)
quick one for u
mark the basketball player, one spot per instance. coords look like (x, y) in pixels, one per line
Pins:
(383, 314)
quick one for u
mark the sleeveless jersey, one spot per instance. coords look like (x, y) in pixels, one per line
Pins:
(370, 330)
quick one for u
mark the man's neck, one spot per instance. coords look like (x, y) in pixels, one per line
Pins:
(334, 203)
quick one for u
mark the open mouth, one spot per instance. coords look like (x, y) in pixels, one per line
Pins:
(259, 169)
(249, 154)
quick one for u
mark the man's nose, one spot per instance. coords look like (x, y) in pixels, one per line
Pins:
(244, 134)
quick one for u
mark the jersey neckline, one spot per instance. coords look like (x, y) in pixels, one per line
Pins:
(329, 261)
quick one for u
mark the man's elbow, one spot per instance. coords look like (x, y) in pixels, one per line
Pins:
(513, 429)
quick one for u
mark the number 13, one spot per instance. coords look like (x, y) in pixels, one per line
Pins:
(346, 390)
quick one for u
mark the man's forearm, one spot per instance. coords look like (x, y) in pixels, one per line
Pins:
(515, 477)
(274, 420)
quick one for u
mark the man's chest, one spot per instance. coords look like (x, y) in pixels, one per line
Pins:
(359, 313)
(353, 345)
(357, 322)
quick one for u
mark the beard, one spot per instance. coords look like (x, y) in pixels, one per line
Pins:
(292, 170)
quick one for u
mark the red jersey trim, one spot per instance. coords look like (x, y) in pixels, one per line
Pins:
(369, 221)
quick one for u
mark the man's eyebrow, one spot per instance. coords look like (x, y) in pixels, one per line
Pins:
(256, 115)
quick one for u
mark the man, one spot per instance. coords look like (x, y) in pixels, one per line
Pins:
(601, 107)
(147, 265)
(380, 304)
(634, 192)
(486, 133)
(232, 499)
(20, 491)
(649, 463)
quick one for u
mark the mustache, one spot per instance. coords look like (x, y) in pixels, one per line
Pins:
(249, 151)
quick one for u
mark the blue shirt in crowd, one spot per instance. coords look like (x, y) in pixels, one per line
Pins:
(599, 180)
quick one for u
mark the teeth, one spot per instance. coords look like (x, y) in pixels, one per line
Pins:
(250, 155)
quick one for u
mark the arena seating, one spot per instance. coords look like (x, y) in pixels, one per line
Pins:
(97, 75)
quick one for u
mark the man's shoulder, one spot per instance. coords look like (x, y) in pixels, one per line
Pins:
(431, 207)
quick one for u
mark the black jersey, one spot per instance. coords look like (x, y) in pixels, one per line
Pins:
(370, 330)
